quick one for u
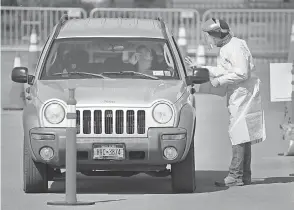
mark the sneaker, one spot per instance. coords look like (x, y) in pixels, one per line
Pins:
(229, 182)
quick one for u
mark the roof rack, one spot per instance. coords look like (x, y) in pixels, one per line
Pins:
(63, 19)
(61, 23)
(160, 20)
(163, 27)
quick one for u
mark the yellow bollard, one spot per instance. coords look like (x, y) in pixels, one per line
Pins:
(71, 156)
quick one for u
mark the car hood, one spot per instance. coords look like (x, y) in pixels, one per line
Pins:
(111, 91)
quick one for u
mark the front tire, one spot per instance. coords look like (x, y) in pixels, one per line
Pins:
(183, 173)
(35, 178)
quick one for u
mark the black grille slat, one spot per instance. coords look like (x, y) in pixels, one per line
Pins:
(87, 121)
(141, 121)
(78, 121)
(130, 122)
(108, 119)
(125, 121)
(97, 121)
(119, 121)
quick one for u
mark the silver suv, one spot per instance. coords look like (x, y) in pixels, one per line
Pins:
(135, 110)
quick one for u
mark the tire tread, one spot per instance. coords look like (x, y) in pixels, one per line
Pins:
(35, 178)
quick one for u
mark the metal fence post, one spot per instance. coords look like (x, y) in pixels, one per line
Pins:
(71, 156)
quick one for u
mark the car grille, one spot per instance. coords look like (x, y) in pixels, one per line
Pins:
(109, 122)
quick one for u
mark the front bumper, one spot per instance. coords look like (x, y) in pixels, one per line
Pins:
(139, 151)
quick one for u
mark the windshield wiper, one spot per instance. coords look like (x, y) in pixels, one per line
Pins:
(133, 73)
(82, 73)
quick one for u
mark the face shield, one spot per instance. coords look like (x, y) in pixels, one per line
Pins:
(209, 40)
(217, 32)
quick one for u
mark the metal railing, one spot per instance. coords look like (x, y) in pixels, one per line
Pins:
(206, 4)
(267, 32)
(174, 19)
(17, 23)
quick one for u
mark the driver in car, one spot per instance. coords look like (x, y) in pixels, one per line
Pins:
(143, 60)
(75, 60)
(66, 62)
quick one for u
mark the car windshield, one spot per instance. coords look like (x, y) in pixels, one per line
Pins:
(111, 58)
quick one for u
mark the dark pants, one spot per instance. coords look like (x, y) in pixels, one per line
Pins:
(240, 168)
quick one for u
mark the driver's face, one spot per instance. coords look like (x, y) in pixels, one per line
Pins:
(144, 55)
(69, 62)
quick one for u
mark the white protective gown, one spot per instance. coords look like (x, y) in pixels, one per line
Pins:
(234, 70)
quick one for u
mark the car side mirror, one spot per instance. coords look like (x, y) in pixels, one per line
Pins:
(200, 76)
(20, 75)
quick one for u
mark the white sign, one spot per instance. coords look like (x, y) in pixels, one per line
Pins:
(280, 82)
(158, 73)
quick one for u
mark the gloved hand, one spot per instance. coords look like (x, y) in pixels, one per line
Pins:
(191, 64)
(211, 75)
(214, 82)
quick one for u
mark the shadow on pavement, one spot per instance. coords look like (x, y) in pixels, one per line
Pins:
(274, 180)
(205, 181)
(108, 201)
(140, 184)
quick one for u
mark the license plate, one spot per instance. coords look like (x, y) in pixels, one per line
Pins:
(109, 152)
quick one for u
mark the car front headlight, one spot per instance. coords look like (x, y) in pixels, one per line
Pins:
(162, 113)
(54, 113)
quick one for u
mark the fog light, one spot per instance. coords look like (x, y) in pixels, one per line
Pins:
(170, 153)
(46, 153)
(173, 136)
(37, 136)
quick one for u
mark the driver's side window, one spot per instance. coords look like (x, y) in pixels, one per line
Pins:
(44, 52)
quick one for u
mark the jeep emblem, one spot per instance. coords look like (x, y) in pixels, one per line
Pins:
(110, 102)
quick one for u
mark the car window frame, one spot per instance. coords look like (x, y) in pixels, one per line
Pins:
(180, 55)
